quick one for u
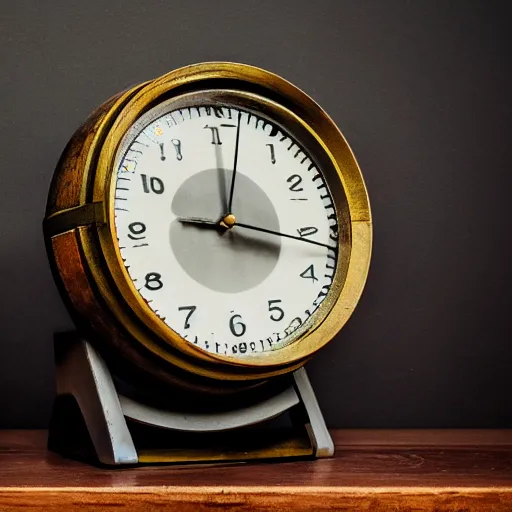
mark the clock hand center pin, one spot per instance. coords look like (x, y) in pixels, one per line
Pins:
(228, 221)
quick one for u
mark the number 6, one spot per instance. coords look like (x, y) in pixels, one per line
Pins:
(233, 324)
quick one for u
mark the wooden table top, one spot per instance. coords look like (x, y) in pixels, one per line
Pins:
(377, 470)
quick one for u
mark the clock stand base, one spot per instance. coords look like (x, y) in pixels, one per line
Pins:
(92, 421)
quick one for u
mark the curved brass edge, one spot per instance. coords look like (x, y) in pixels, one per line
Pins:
(124, 317)
(326, 133)
(305, 108)
(73, 266)
(101, 132)
(66, 190)
(65, 220)
(289, 354)
(352, 290)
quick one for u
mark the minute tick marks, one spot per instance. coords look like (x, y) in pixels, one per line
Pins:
(265, 316)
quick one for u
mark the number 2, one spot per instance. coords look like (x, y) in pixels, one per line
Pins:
(295, 180)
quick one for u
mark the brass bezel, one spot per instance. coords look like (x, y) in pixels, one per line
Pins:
(311, 118)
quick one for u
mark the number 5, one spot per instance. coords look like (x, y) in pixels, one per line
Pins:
(279, 312)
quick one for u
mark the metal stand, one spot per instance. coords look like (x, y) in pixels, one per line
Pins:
(103, 418)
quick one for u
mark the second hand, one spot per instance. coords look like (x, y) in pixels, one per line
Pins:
(293, 237)
(229, 222)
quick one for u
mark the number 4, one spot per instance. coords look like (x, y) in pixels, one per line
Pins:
(309, 273)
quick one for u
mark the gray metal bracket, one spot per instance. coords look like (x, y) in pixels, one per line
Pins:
(83, 374)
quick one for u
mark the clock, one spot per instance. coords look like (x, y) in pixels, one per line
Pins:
(209, 230)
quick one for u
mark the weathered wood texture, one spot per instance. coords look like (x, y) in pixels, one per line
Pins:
(66, 187)
(385, 470)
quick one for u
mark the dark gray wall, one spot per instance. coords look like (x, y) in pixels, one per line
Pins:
(420, 89)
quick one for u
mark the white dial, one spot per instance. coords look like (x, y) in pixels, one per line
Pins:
(238, 287)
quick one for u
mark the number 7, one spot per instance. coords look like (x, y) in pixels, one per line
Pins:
(190, 310)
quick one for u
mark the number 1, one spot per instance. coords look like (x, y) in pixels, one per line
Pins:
(272, 153)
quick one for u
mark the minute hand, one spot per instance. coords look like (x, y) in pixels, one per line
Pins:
(300, 239)
(235, 163)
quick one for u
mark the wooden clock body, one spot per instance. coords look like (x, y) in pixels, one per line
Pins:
(77, 225)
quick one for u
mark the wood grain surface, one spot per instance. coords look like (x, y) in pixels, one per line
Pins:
(374, 470)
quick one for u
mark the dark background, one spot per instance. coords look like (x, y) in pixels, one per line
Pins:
(421, 91)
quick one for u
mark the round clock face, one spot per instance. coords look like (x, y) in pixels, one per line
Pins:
(225, 225)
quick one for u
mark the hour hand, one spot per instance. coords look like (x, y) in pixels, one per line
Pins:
(226, 222)
(199, 221)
